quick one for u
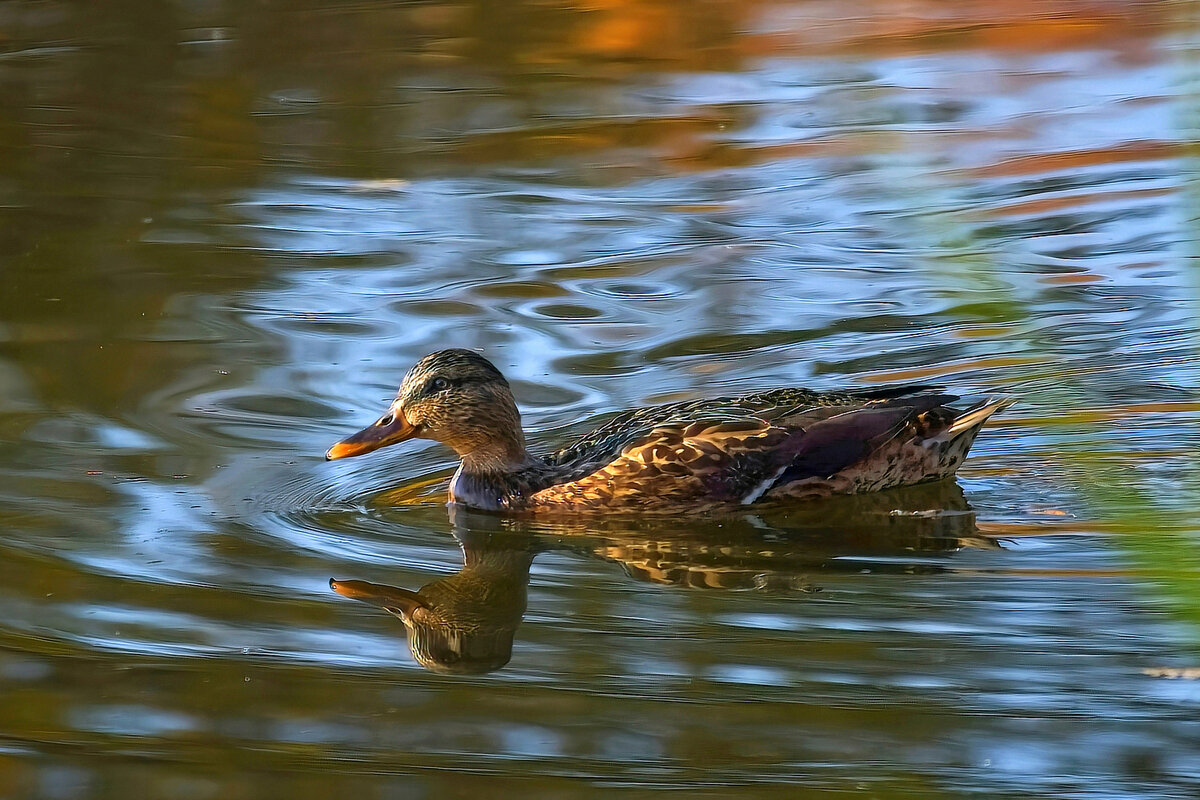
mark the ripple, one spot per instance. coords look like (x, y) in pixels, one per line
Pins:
(528, 257)
(435, 308)
(567, 311)
(518, 290)
(620, 206)
(637, 291)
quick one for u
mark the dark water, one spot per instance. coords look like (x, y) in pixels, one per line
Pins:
(226, 229)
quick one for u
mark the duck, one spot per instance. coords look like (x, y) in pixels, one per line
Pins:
(785, 444)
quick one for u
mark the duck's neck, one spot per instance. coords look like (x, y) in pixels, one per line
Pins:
(488, 442)
(499, 485)
(500, 455)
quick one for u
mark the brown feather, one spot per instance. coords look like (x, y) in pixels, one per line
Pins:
(783, 443)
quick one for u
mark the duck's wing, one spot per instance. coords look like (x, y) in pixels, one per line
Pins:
(606, 441)
(827, 445)
(675, 466)
(741, 453)
(892, 443)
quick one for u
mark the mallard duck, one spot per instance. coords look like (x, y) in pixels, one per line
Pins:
(695, 455)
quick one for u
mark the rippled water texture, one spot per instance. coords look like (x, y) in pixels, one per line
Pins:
(226, 229)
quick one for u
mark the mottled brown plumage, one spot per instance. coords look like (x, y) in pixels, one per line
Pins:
(702, 454)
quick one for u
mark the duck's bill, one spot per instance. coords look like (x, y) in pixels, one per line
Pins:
(391, 429)
(389, 598)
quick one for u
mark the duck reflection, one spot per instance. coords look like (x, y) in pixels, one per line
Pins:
(465, 623)
(910, 531)
(462, 624)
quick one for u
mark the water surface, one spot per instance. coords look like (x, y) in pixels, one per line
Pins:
(227, 229)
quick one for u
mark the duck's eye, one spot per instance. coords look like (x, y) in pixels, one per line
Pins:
(386, 419)
(438, 384)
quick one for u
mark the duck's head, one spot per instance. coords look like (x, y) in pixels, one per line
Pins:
(456, 397)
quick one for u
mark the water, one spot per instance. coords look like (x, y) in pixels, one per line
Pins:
(227, 229)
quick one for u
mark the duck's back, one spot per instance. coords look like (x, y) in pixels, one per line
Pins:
(603, 443)
(779, 443)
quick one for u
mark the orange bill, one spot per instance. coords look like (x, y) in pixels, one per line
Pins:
(390, 598)
(391, 428)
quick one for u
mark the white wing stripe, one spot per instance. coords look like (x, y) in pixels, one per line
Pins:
(761, 488)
